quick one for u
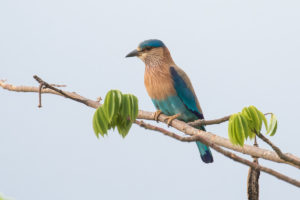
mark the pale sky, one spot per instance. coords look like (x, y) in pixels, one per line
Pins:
(236, 53)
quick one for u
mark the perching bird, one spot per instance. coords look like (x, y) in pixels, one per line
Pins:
(169, 87)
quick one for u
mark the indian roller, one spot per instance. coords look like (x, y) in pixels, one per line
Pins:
(169, 87)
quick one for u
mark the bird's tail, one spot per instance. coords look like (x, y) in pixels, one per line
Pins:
(204, 150)
(205, 153)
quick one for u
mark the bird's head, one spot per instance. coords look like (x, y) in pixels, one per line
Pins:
(152, 52)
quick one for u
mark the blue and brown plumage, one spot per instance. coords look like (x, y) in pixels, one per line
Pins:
(169, 87)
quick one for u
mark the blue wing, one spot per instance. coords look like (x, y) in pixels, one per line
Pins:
(185, 93)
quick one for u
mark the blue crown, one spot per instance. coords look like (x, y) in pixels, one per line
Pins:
(151, 43)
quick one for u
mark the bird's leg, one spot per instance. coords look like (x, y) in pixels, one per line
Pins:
(156, 115)
(171, 118)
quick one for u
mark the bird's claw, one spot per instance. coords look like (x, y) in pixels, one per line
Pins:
(156, 115)
(171, 118)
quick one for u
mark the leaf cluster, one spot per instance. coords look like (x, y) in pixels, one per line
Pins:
(248, 123)
(119, 110)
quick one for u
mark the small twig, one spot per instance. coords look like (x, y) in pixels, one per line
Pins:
(56, 85)
(228, 154)
(69, 95)
(255, 142)
(268, 113)
(201, 122)
(99, 99)
(278, 151)
(40, 95)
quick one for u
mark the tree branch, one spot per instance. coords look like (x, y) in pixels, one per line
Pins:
(252, 182)
(253, 179)
(166, 132)
(278, 151)
(254, 165)
(201, 122)
(179, 125)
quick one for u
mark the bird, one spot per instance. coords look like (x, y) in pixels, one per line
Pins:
(169, 88)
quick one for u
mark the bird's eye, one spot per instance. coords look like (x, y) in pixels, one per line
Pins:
(148, 48)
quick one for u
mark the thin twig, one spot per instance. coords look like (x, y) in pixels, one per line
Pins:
(40, 95)
(99, 99)
(278, 151)
(69, 95)
(57, 85)
(47, 85)
(201, 122)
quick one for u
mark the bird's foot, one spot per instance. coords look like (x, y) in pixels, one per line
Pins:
(171, 118)
(156, 115)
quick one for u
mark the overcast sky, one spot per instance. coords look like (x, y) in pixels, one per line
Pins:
(236, 53)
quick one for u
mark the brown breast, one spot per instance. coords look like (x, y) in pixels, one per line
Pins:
(158, 82)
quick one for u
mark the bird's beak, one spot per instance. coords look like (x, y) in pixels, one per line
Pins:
(133, 53)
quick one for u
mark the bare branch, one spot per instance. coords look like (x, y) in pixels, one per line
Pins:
(246, 149)
(254, 165)
(278, 151)
(166, 132)
(40, 95)
(179, 125)
(201, 122)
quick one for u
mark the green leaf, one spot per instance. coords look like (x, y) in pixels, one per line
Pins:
(114, 121)
(119, 110)
(239, 133)
(260, 120)
(232, 129)
(247, 115)
(123, 127)
(95, 125)
(100, 122)
(248, 123)
(112, 103)
(126, 107)
(262, 117)
(272, 126)
(256, 121)
(245, 126)
(134, 108)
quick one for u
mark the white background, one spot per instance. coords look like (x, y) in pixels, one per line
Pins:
(236, 53)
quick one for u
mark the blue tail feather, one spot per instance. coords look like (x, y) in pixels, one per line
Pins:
(205, 153)
(204, 150)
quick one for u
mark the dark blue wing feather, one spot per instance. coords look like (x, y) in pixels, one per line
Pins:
(185, 94)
